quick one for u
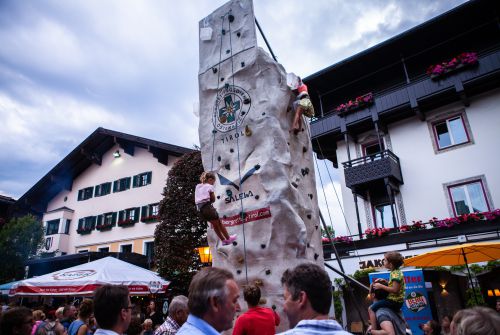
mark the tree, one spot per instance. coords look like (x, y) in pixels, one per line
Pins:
(180, 231)
(20, 238)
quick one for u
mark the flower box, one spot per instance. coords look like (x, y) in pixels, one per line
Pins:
(104, 227)
(352, 105)
(150, 218)
(465, 59)
(126, 223)
(84, 231)
(377, 232)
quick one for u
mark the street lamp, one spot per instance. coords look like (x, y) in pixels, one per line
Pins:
(205, 254)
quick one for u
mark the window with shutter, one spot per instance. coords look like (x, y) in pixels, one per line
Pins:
(144, 212)
(97, 192)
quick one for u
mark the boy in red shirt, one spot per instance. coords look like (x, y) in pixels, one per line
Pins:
(257, 320)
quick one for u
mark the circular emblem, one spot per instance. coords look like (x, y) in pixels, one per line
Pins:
(415, 302)
(72, 275)
(232, 105)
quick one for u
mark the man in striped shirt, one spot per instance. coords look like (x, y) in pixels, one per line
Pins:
(177, 315)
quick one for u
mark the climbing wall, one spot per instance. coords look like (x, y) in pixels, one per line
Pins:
(265, 185)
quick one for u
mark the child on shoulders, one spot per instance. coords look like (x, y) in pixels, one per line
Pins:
(392, 261)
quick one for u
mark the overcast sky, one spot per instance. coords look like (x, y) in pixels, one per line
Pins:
(68, 67)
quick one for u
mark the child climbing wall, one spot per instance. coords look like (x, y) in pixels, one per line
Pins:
(265, 188)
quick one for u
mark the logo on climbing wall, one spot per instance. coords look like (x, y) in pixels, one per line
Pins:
(415, 301)
(231, 107)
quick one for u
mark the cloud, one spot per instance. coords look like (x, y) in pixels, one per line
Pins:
(68, 67)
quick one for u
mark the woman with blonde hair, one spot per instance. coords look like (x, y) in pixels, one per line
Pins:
(38, 317)
(204, 196)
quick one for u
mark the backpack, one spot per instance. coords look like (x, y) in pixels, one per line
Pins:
(49, 328)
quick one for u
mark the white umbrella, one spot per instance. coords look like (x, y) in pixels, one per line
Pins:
(85, 278)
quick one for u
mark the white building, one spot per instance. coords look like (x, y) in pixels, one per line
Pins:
(104, 195)
(420, 145)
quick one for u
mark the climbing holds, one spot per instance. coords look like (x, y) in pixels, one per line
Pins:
(294, 184)
(316, 227)
(223, 31)
(268, 272)
(257, 166)
(229, 193)
(242, 63)
(219, 158)
(248, 131)
(309, 216)
(263, 246)
(222, 79)
(231, 18)
(214, 131)
(247, 101)
(257, 197)
(218, 197)
(240, 259)
(238, 34)
(226, 86)
(228, 51)
(214, 70)
(304, 149)
(227, 167)
(238, 272)
(316, 256)
(310, 196)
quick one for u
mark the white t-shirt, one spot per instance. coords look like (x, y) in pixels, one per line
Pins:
(202, 193)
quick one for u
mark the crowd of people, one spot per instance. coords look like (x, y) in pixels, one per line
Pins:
(212, 304)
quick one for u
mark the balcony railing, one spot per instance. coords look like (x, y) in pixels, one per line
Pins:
(360, 172)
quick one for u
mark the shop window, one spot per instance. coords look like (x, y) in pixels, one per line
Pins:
(468, 198)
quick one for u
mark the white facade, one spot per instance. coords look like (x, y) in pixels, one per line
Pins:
(425, 172)
(66, 206)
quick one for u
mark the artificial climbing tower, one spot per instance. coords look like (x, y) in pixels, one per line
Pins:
(265, 187)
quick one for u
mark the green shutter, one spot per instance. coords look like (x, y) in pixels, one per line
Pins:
(127, 180)
(80, 195)
(93, 220)
(115, 186)
(150, 175)
(80, 224)
(144, 211)
(107, 187)
(135, 182)
(114, 218)
(120, 215)
(99, 219)
(97, 191)
(136, 214)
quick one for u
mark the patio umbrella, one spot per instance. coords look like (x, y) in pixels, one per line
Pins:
(462, 254)
(83, 279)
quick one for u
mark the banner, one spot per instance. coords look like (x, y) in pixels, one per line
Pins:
(416, 309)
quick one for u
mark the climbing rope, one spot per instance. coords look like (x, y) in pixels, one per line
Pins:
(333, 185)
(214, 131)
(238, 152)
(242, 213)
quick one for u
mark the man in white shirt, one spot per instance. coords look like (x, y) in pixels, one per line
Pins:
(112, 309)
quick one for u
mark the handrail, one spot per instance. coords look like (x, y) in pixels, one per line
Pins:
(370, 158)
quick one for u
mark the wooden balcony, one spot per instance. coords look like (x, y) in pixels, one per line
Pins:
(363, 173)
